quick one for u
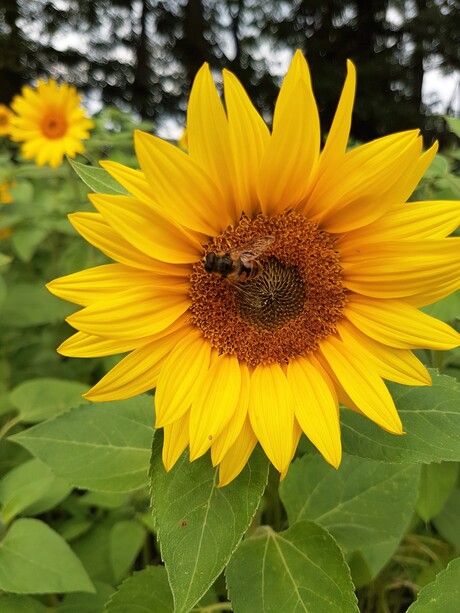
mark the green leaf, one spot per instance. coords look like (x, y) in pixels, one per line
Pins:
(126, 540)
(23, 486)
(87, 603)
(200, 525)
(28, 304)
(431, 420)
(25, 241)
(447, 309)
(438, 167)
(10, 603)
(441, 596)
(447, 522)
(147, 591)
(301, 569)
(36, 560)
(454, 125)
(436, 485)
(103, 447)
(40, 399)
(361, 503)
(97, 179)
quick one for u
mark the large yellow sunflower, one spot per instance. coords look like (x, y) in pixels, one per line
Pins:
(49, 122)
(5, 120)
(344, 263)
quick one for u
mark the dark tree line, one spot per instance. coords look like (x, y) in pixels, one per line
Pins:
(142, 55)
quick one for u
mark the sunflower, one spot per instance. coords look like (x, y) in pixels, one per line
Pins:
(50, 122)
(326, 267)
(5, 120)
(5, 194)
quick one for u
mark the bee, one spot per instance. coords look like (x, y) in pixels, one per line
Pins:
(239, 264)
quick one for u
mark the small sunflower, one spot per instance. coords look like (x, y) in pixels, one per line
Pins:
(5, 120)
(49, 122)
(258, 281)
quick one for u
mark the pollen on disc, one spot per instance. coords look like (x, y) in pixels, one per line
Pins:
(285, 311)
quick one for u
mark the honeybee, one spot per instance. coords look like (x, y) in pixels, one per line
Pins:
(239, 264)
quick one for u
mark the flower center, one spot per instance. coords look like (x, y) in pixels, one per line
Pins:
(54, 125)
(285, 308)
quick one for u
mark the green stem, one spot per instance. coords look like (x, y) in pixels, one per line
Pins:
(9, 424)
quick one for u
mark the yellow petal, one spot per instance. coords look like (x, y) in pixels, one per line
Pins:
(399, 365)
(175, 441)
(414, 220)
(131, 314)
(97, 232)
(181, 187)
(398, 324)
(433, 294)
(362, 383)
(315, 408)
(133, 181)
(295, 442)
(182, 374)
(226, 439)
(93, 284)
(395, 269)
(82, 345)
(337, 140)
(208, 137)
(291, 155)
(298, 70)
(357, 192)
(148, 230)
(214, 404)
(271, 411)
(249, 137)
(137, 372)
(237, 456)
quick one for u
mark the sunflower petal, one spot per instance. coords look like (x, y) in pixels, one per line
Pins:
(239, 453)
(175, 441)
(226, 439)
(182, 188)
(315, 409)
(271, 411)
(183, 373)
(396, 269)
(82, 345)
(363, 384)
(249, 137)
(337, 140)
(291, 155)
(208, 136)
(93, 284)
(398, 324)
(399, 365)
(131, 314)
(214, 404)
(147, 229)
(136, 373)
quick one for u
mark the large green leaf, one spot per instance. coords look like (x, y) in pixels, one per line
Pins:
(361, 504)
(86, 603)
(29, 304)
(436, 485)
(447, 522)
(199, 525)
(147, 591)
(36, 560)
(126, 540)
(431, 420)
(441, 596)
(12, 603)
(301, 570)
(97, 179)
(103, 447)
(23, 486)
(39, 399)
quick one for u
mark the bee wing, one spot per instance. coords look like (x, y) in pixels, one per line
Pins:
(250, 251)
